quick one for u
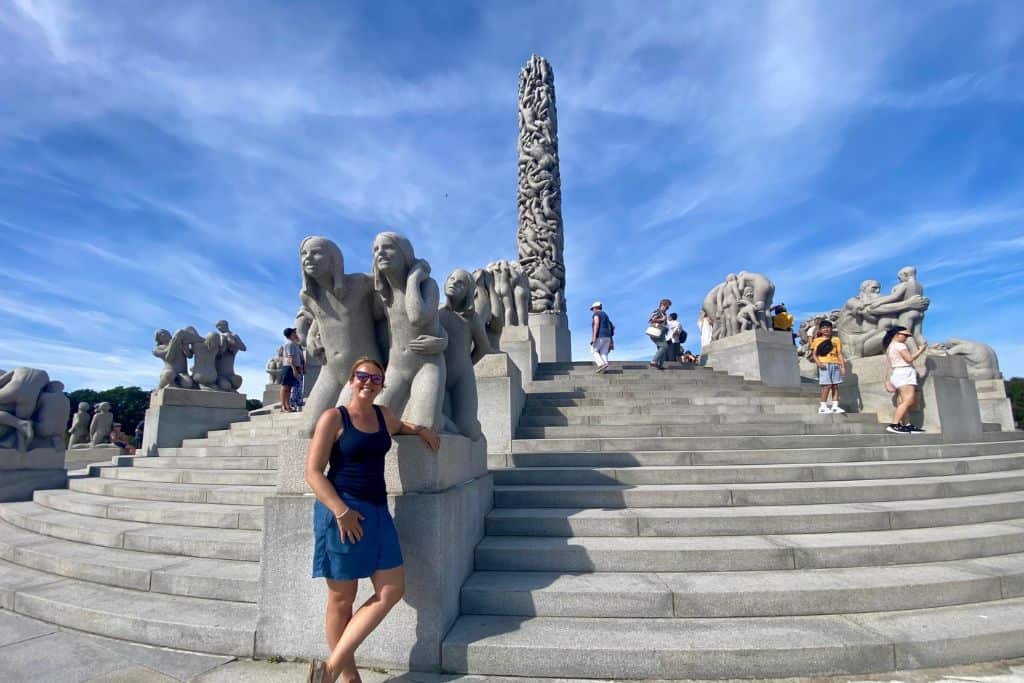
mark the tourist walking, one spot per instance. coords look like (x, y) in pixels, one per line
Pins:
(705, 328)
(354, 534)
(827, 352)
(291, 371)
(602, 332)
(657, 330)
(902, 379)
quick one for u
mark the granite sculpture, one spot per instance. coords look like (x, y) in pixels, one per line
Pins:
(540, 234)
(864, 318)
(502, 297)
(416, 381)
(79, 432)
(204, 360)
(175, 351)
(275, 365)
(30, 407)
(981, 359)
(808, 328)
(467, 344)
(230, 345)
(102, 423)
(337, 319)
(739, 304)
(213, 358)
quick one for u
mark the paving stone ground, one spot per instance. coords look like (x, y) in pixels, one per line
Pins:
(32, 651)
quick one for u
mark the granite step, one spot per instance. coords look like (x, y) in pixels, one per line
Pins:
(153, 511)
(184, 623)
(767, 407)
(642, 396)
(233, 477)
(830, 425)
(786, 493)
(528, 422)
(202, 463)
(711, 474)
(184, 493)
(231, 439)
(224, 544)
(214, 451)
(753, 647)
(746, 553)
(142, 571)
(755, 520)
(580, 400)
(744, 594)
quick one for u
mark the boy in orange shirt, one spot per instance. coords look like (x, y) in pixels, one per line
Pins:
(827, 352)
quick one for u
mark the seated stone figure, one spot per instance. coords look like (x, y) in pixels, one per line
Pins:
(19, 398)
(982, 362)
(230, 345)
(51, 417)
(102, 422)
(80, 427)
(175, 351)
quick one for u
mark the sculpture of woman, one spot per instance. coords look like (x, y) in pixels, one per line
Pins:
(338, 323)
(467, 343)
(175, 352)
(80, 426)
(204, 359)
(102, 421)
(410, 297)
(230, 344)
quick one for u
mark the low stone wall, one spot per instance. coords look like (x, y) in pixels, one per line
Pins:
(176, 414)
(764, 355)
(21, 474)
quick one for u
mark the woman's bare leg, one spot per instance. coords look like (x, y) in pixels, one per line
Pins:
(389, 587)
(341, 595)
(906, 401)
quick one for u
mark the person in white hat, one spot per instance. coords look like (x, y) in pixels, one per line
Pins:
(601, 333)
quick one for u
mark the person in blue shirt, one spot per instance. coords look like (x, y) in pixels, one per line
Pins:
(602, 332)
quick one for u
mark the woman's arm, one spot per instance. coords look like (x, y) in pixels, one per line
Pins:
(910, 358)
(327, 428)
(400, 428)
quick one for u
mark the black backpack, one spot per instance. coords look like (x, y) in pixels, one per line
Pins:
(682, 336)
(823, 349)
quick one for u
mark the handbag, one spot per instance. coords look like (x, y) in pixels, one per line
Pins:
(654, 332)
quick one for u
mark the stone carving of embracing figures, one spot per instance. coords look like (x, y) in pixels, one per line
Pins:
(213, 358)
(864, 318)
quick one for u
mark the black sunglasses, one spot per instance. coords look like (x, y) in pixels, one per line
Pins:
(376, 378)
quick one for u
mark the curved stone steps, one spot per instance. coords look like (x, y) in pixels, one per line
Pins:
(231, 439)
(204, 463)
(767, 407)
(153, 511)
(197, 624)
(537, 403)
(225, 544)
(685, 419)
(215, 451)
(753, 647)
(755, 520)
(184, 493)
(827, 425)
(743, 553)
(168, 475)
(143, 571)
(746, 593)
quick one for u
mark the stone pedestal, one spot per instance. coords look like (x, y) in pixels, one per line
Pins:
(517, 342)
(551, 337)
(995, 407)
(438, 500)
(271, 394)
(23, 473)
(764, 355)
(175, 414)
(501, 398)
(947, 398)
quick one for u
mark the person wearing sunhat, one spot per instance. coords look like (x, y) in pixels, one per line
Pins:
(601, 333)
(903, 379)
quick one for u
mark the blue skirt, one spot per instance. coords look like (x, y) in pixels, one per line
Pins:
(377, 549)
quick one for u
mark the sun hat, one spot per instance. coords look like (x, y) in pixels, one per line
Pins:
(596, 304)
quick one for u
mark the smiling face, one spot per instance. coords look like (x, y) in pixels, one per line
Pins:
(387, 257)
(364, 381)
(315, 259)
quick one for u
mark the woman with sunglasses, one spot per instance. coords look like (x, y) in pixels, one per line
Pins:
(903, 378)
(354, 535)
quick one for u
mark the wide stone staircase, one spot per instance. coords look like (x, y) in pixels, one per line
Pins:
(163, 550)
(687, 524)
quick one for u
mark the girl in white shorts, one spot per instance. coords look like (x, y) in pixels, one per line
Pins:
(903, 379)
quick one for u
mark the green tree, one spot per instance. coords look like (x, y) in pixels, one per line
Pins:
(1015, 392)
(128, 403)
(253, 404)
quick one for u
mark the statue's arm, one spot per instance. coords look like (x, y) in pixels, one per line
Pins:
(240, 343)
(481, 344)
(422, 297)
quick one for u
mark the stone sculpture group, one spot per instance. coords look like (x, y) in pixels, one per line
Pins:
(87, 431)
(33, 410)
(213, 358)
(393, 315)
(739, 304)
(502, 297)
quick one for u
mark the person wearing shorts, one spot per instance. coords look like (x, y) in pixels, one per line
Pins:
(291, 369)
(354, 536)
(902, 379)
(827, 352)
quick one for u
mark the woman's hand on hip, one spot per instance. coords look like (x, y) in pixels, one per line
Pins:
(349, 528)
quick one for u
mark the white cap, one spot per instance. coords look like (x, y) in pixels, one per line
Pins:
(596, 304)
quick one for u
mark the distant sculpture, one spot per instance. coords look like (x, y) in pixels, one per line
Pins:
(230, 345)
(51, 417)
(102, 422)
(175, 352)
(274, 366)
(982, 362)
(80, 426)
(739, 304)
(467, 344)
(415, 386)
(863, 320)
(338, 319)
(540, 234)
(19, 397)
(502, 297)
(204, 360)
(809, 327)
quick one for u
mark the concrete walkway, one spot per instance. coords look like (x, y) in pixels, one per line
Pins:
(36, 652)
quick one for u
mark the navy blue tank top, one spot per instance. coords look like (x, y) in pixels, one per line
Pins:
(357, 460)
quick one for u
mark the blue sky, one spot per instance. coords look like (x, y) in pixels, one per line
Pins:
(160, 162)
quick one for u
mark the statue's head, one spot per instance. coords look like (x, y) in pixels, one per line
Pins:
(321, 259)
(871, 287)
(748, 292)
(54, 387)
(83, 407)
(393, 256)
(730, 277)
(162, 336)
(103, 407)
(460, 288)
(907, 273)
(222, 326)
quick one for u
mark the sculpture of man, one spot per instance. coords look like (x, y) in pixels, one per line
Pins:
(274, 366)
(747, 313)
(102, 421)
(722, 303)
(520, 292)
(908, 292)
(467, 344)
(416, 379)
(863, 320)
(338, 315)
(52, 416)
(80, 426)
(19, 396)
(175, 352)
(204, 359)
(982, 362)
(230, 345)
(493, 325)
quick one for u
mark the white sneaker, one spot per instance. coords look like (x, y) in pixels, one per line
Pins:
(836, 409)
(824, 409)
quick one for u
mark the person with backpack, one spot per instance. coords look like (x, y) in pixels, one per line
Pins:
(602, 332)
(827, 353)
(657, 330)
(676, 336)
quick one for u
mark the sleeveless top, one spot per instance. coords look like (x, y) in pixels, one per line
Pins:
(893, 352)
(357, 460)
(604, 324)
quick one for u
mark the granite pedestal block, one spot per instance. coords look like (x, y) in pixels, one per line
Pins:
(439, 501)
(176, 414)
(501, 398)
(764, 355)
(21, 474)
(271, 394)
(517, 342)
(551, 336)
(994, 405)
